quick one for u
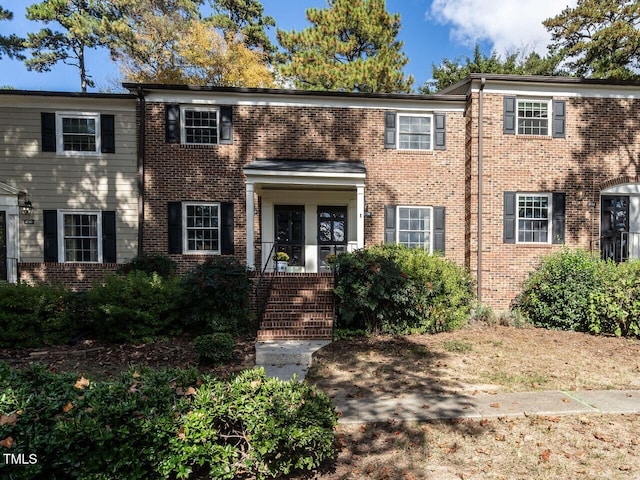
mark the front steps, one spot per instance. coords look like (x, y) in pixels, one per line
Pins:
(299, 307)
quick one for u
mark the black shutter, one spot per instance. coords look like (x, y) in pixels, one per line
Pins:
(559, 117)
(107, 134)
(438, 229)
(390, 130)
(389, 224)
(509, 218)
(48, 131)
(175, 227)
(440, 132)
(558, 218)
(510, 106)
(227, 228)
(226, 125)
(109, 237)
(172, 123)
(50, 222)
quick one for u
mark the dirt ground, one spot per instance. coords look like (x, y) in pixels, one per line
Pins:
(479, 358)
(490, 359)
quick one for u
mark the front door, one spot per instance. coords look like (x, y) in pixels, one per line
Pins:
(332, 233)
(289, 232)
(614, 227)
(3, 245)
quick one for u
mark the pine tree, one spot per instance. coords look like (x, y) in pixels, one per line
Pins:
(10, 45)
(351, 46)
(80, 22)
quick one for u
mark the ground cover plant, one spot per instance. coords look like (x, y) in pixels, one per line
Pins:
(394, 289)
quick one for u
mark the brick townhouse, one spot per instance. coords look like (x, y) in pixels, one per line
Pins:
(495, 171)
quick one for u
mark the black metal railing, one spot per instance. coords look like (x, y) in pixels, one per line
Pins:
(262, 290)
(621, 246)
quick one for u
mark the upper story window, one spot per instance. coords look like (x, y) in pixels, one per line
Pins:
(199, 125)
(414, 132)
(533, 117)
(78, 132)
(414, 227)
(534, 218)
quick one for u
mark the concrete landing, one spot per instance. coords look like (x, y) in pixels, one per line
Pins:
(282, 358)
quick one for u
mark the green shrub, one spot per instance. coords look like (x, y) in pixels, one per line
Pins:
(150, 263)
(216, 348)
(557, 294)
(218, 295)
(32, 316)
(395, 289)
(134, 307)
(615, 308)
(161, 424)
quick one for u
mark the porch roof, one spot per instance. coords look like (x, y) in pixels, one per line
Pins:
(289, 166)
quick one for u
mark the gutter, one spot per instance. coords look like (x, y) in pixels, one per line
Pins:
(141, 154)
(483, 81)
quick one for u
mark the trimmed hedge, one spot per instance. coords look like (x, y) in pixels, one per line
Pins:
(161, 424)
(395, 289)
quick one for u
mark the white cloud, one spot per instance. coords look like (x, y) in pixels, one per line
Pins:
(507, 24)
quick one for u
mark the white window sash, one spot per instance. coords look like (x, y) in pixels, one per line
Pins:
(548, 118)
(185, 228)
(430, 231)
(430, 134)
(61, 237)
(60, 133)
(549, 197)
(183, 124)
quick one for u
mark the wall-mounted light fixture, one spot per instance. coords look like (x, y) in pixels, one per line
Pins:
(580, 194)
(26, 208)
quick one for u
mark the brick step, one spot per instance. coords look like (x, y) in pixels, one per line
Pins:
(300, 305)
(296, 333)
(275, 325)
(298, 316)
(328, 298)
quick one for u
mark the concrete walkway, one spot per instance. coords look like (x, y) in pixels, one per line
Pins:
(485, 405)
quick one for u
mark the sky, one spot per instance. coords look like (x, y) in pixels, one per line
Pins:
(431, 31)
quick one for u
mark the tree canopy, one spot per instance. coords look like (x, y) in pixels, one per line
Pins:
(11, 45)
(599, 38)
(516, 63)
(350, 46)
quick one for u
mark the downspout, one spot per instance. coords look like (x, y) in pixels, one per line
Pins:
(480, 153)
(141, 153)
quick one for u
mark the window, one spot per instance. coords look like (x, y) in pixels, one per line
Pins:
(78, 132)
(201, 233)
(80, 236)
(199, 125)
(414, 132)
(534, 218)
(413, 227)
(533, 117)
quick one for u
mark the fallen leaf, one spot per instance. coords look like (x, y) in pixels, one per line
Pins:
(82, 383)
(566, 400)
(603, 437)
(553, 419)
(8, 442)
(624, 468)
(545, 455)
(500, 437)
(495, 405)
(8, 419)
(67, 407)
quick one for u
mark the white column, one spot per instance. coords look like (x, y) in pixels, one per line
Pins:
(250, 233)
(360, 215)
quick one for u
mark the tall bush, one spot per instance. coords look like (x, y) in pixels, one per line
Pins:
(33, 316)
(557, 294)
(217, 295)
(154, 262)
(395, 289)
(134, 307)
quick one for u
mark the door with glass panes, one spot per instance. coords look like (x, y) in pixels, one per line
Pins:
(289, 234)
(332, 232)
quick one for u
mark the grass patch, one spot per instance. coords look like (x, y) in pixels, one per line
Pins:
(530, 380)
(456, 346)
(420, 351)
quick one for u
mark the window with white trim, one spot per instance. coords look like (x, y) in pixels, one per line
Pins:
(534, 217)
(414, 132)
(78, 132)
(414, 227)
(533, 117)
(201, 227)
(80, 236)
(199, 126)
